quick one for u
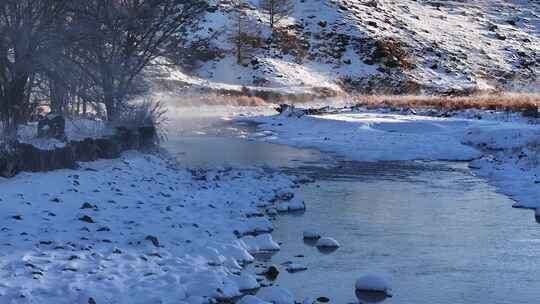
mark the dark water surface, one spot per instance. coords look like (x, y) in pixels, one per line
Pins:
(440, 234)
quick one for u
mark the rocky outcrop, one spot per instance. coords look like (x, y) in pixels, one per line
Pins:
(18, 157)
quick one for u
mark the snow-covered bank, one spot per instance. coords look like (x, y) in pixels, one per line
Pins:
(504, 148)
(375, 136)
(133, 230)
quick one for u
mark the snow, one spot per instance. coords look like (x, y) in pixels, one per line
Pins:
(276, 295)
(249, 299)
(371, 282)
(158, 231)
(292, 206)
(327, 242)
(260, 243)
(374, 136)
(76, 130)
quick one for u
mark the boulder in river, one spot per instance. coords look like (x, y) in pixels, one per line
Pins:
(327, 242)
(311, 234)
(272, 272)
(373, 283)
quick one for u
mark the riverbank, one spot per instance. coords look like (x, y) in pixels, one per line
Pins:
(136, 224)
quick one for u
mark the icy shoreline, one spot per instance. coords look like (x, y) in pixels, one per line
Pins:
(134, 230)
(504, 148)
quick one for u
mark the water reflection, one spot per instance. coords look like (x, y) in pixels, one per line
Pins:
(365, 296)
(442, 235)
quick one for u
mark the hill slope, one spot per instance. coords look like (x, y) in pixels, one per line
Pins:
(405, 46)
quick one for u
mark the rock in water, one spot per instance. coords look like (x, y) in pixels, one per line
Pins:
(311, 234)
(372, 282)
(294, 267)
(327, 242)
(272, 272)
(52, 126)
(323, 299)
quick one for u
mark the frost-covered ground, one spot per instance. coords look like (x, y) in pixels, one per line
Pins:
(133, 230)
(505, 148)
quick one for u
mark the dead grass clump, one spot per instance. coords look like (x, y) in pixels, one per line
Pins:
(513, 102)
(392, 53)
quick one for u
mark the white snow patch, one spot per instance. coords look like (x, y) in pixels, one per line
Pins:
(276, 295)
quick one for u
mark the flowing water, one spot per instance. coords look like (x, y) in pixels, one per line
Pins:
(440, 234)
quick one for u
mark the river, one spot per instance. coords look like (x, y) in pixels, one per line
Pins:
(437, 232)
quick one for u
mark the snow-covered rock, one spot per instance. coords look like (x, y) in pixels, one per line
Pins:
(246, 282)
(255, 225)
(327, 242)
(371, 282)
(292, 206)
(260, 243)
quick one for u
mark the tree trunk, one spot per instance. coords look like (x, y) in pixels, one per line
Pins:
(58, 96)
(108, 96)
(15, 101)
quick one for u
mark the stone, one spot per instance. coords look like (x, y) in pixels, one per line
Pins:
(323, 299)
(327, 242)
(52, 126)
(86, 218)
(153, 239)
(272, 272)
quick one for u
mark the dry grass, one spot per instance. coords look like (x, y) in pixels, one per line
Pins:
(229, 100)
(525, 103)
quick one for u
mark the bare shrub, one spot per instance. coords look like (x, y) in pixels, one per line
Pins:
(148, 113)
(290, 41)
(393, 53)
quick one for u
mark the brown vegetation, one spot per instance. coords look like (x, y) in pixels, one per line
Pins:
(515, 102)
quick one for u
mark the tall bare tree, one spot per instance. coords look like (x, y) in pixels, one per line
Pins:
(29, 30)
(277, 10)
(245, 35)
(117, 39)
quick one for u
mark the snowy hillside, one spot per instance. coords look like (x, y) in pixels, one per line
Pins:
(379, 45)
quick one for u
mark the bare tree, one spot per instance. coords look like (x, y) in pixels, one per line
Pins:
(277, 10)
(28, 32)
(117, 39)
(245, 34)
